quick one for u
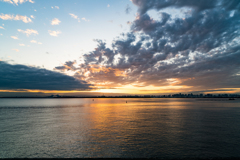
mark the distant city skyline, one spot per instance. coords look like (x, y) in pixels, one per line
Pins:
(179, 95)
(132, 47)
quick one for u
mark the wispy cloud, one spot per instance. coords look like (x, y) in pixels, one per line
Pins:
(55, 21)
(28, 31)
(33, 41)
(1, 27)
(17, 50)
(16, 2)
(87, 20)
(14, 37)
(25, 19)
(127, 9)
(129, 23)
(74, 16)
(108, 5)
(69, 65)
(55, 7)
(32, 16)
(21, 44)
(54, 33)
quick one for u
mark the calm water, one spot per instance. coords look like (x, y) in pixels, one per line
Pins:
(164, 128)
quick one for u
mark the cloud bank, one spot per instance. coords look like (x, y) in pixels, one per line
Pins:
(32, 78)
(201, 48)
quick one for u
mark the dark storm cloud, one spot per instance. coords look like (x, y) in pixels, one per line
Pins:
(26, 77)
(199, 48)
(199, 5)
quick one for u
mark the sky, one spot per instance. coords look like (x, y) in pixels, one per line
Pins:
(93, 47)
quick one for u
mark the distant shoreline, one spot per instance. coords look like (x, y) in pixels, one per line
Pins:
(126, 97)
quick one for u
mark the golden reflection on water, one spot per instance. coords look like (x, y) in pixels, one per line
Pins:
(113, 121)
(108, 115)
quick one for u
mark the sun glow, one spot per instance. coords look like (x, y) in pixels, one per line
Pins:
(131, 89)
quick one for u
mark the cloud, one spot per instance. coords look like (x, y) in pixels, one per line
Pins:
(55, 21)
(199, 49)
(1, 27)
(14, 37)
(21, 44)
(28, 31)
(129, 23)
(25, 77)
(54, 33)
(16, 2)
(32, 16)
(69, 65)
(25, 19)
(108, 5)
(85, 19)
(74, 16)
(33, 41)
(128, 9)
(17, 50)
(144, 6)
(55, 7)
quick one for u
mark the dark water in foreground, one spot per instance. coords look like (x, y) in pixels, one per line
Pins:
(163, 128)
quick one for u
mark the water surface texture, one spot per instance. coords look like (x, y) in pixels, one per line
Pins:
(163, 128)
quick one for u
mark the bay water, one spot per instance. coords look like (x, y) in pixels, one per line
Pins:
(119, 127)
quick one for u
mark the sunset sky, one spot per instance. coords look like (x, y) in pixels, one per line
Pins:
(95, 47)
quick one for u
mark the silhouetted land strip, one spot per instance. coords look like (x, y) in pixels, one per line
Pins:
(210, 96)
(219, 158)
